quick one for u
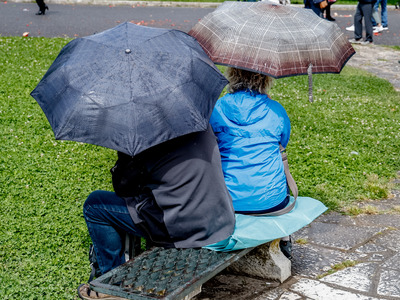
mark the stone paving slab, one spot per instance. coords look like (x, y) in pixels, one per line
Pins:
(313, 289)
(312, 261)
(340, 236)
(358, 278)
(389, 283)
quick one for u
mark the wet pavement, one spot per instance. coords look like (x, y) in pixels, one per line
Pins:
(81, 18)
(337, 256)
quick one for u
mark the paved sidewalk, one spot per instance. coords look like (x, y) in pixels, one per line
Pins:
(335, 257)
(381, 61)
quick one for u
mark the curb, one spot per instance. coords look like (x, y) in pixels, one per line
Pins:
(165, 3)
(129, 3)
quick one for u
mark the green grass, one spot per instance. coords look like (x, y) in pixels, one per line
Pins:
(43, 237)
(346, 137)
(343, 147)
(339, 267)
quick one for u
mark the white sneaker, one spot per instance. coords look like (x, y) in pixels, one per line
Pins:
(385, 28)
(350, 28)
(378, 29)
(354, 41)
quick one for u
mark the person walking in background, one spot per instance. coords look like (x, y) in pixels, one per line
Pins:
(380, 21)
(376, 18)
(363, 11)
(42, 7)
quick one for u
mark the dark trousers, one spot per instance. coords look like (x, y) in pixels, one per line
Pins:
(364, 10)
(327, 10)
(41, 5)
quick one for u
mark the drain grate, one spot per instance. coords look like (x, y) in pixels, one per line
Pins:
(165, 273)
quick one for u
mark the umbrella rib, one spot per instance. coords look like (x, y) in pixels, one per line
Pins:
(133, 118)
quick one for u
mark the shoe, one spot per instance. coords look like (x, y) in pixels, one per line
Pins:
(385, 28)
(286, 246)
(331, 19)
(350, 28)
(85, 292)
(354, 41)
(378, 29)
(367, 43)
(42, 12)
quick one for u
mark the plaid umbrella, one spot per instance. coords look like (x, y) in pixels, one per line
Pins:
(276, 40)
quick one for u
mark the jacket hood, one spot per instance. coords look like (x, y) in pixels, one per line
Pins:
(245, 107)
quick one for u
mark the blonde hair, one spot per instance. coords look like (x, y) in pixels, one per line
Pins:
(241, 79)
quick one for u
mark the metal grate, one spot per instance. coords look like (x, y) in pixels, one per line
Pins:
(165, 273)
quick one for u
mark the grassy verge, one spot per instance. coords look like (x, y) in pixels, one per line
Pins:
(343, 147)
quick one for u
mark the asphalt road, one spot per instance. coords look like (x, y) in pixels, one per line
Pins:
(82, 20)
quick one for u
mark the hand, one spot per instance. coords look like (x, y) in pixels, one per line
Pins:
(323, 4)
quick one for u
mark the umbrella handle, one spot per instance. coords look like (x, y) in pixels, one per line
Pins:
(310, 84)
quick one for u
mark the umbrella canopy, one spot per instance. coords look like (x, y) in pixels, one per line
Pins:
(129, 88)
(276, 40)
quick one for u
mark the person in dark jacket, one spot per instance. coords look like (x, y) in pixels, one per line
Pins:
(363, 10)
(173, 194)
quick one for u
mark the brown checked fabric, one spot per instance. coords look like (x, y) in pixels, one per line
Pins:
(276, 40)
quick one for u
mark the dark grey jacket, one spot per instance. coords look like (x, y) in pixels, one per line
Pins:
(176, 191)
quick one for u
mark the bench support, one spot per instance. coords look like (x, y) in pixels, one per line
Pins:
(266, 261)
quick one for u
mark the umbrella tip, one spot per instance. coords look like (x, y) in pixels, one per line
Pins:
(127, 51)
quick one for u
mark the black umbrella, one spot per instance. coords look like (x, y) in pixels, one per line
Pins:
(129, 88)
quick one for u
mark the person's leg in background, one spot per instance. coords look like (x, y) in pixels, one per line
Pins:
(376, 18)
(358, 23)
(42, 7)
(367, 13)
(384, 15)
(376, 8)
(328, 13)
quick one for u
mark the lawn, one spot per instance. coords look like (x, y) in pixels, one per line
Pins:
(344, 148)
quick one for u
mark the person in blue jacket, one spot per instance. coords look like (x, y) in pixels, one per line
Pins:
(250, 127)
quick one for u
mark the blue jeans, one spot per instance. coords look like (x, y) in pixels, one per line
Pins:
(384, 15)
(309, 4)
(108, 221)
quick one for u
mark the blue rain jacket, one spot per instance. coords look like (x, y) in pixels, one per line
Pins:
(249, 127)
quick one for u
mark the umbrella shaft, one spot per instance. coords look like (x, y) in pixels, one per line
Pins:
(310, 84)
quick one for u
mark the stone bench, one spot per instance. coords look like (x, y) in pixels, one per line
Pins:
(175, 274)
